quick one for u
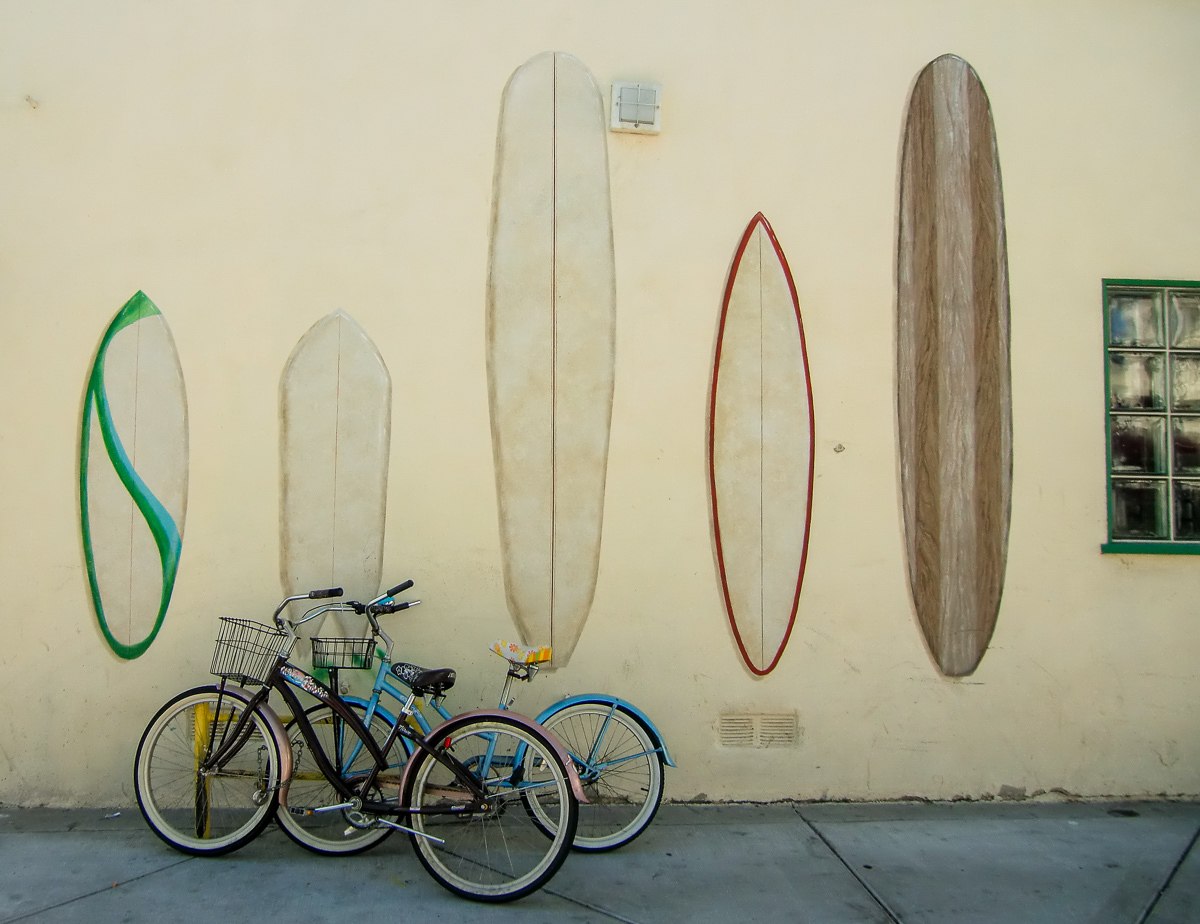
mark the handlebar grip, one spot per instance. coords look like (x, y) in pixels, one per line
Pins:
(399, 589)
(328, 592)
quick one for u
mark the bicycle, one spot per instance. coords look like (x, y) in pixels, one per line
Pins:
(215, 764)
(618, 753)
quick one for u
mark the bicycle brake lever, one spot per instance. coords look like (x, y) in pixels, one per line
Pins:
(382, 609)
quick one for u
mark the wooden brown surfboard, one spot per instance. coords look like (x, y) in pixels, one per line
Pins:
(954, 401)
(760, 448)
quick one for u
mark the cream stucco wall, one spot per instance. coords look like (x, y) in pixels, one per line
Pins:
(253, 167)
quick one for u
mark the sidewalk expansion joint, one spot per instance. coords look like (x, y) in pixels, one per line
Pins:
(878, 899)
(1145, 915)
(582, 904)
(30, 915)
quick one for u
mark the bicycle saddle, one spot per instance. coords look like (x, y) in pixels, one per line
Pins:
(434, 681)
(519, 654)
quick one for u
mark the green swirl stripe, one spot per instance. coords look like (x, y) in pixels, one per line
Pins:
(162, 526)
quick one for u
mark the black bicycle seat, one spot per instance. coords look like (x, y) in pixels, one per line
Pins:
(425, 681)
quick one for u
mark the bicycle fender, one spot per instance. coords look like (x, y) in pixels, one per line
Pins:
(527, 723)
(281, 740)
(606, 699)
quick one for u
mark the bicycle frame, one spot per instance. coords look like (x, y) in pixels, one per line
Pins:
(284, 674)
(577, 765)
(584, 764)
(290, 674)
(232, 743)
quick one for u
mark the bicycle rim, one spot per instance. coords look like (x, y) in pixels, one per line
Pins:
(499, 854)
(332, 832)
(214, 811)
(620, 770)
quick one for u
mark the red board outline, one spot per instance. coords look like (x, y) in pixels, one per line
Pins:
(759, 220)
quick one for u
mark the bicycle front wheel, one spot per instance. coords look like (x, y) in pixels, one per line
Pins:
(336, 832)
(495, 853)
(195, 805)
(621, 772)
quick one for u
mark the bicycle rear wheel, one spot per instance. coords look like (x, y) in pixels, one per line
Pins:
(621, 772)
(197, 808)
(499, 853)
(333, 832)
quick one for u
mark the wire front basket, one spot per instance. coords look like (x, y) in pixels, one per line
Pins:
(246, 651)
(341, 653)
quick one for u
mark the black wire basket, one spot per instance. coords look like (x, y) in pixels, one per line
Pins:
(246, 651)
(343, 653)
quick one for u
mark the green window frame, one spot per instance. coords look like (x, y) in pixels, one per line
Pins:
(1152, 415)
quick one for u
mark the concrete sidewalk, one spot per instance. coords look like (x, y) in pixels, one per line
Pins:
(960, 862)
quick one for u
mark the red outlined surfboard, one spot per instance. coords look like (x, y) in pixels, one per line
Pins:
(760, 448)
(954, 404)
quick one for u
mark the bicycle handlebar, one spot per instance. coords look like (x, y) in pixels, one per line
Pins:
(371, 610)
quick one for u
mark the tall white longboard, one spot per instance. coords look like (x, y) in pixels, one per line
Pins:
(551, 312)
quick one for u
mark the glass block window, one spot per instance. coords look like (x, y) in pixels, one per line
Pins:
(1152, 376)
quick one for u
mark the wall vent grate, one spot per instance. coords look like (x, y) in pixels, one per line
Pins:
(758, 730)
(636, 107)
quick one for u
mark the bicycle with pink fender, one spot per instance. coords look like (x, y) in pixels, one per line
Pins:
(215, 764)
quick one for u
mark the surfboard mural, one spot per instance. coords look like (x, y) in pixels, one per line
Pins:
(551, 309)
(954, 403)
(335, 399)
(760, 448)
(133, 476)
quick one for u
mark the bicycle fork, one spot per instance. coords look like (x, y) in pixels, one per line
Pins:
(217, 737)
